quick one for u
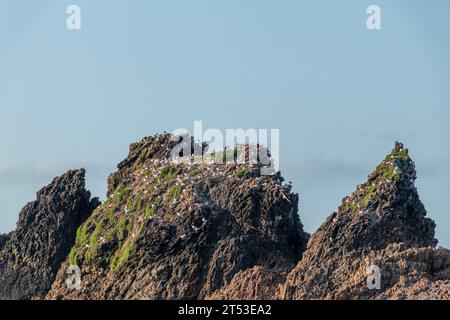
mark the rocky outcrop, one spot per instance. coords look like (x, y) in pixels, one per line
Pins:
(182, 231)
(381, 227)
(256, 283)
(31, 255)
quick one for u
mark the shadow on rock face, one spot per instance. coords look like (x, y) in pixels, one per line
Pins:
(221, 231)
(31, 255)
(182, 231)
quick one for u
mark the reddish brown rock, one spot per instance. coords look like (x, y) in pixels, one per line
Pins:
(383, 224)
(210, 231)
(256, 283)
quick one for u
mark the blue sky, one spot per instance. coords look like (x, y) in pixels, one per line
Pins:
(339, 93)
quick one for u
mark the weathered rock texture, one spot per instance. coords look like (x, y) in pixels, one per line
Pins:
(222, 231)
(31, 255)
(3, 239)
(256, 283)
(182, 231)
(381, 224)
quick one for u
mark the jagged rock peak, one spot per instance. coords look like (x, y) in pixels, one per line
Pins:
(31, 255)
(387, 207)
(383, 223)
(397, 167)
(54, 197)
(150, 150)
(182, 230)
(396, 171)
(156, 147)
(166, 148)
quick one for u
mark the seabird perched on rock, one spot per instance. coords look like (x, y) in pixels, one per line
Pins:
(285, 197)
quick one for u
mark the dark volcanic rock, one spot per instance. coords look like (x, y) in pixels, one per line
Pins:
(222, 231)
(3, 239)
(381, 224)
(182, 231)
(32, 254)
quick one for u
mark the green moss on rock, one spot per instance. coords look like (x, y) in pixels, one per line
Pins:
(244, 173)
(167, 173)
(149, 211)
